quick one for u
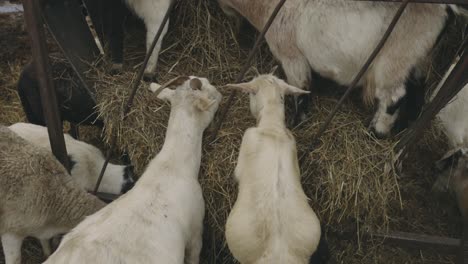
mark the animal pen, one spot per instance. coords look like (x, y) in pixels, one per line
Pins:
(358, 213)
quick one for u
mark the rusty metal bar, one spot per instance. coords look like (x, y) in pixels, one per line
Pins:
(136, 84)
(74, 131)
(445, 245)
(106, 197)
(246, 67)
(32, 15)
(106, 162)
(458, 2)
(363, 70)
(420, 241)
(454, 83)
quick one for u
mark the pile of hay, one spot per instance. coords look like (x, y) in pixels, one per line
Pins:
(348, 177)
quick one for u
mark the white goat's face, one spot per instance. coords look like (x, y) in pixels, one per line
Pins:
(194, 95)
(266, 89)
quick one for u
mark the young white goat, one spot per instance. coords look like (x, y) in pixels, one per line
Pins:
(161, 219)
(38, 197)
(85, 159)
(453, 167)
(335, 37)
(271, 221)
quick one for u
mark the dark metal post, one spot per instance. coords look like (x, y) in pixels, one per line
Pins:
(454, 83)
(47, 91)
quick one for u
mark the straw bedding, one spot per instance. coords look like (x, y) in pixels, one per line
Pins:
(348, 176)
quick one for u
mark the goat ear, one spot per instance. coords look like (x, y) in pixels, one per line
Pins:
(243, 87)
(203, 104)
(292, 90)
(166, 94)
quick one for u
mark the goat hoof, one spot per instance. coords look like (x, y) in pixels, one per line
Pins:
(116, 68)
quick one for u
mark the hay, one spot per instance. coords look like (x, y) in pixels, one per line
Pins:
(348, 178)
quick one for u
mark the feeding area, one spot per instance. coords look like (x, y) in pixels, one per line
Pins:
(350, 177)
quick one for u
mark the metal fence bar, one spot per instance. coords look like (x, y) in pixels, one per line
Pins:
(420, 241)
(445, 245)
(32, 15)
(136, 84)
(454, 83)
(246, 67)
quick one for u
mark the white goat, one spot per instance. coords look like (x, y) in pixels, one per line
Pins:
(152, 13)
(335, 37)
(38, 198)
(161, 219)
(453, 167)
(271, 221)
(86, 161)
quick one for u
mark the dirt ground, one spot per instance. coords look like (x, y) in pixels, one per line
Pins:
(422, 211)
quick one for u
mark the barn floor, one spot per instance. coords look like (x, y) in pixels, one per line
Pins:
(422, 211)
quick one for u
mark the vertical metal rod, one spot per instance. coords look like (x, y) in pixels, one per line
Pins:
(363, 70)
(75, 130)
(454, 83)
(32, 11)
(136, 84)
(246, 67)
(104, 166)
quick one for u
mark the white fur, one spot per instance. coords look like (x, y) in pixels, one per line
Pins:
(161, 219)
(271, 221)
(37, 196)
(152, 13)
(335, 38)
(88, 159)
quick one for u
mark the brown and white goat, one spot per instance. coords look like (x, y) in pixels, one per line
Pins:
(335, 37)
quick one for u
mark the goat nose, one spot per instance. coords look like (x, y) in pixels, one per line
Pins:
(196, 84)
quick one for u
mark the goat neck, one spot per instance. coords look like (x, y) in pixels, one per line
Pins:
(183, 143)
(272, 116)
